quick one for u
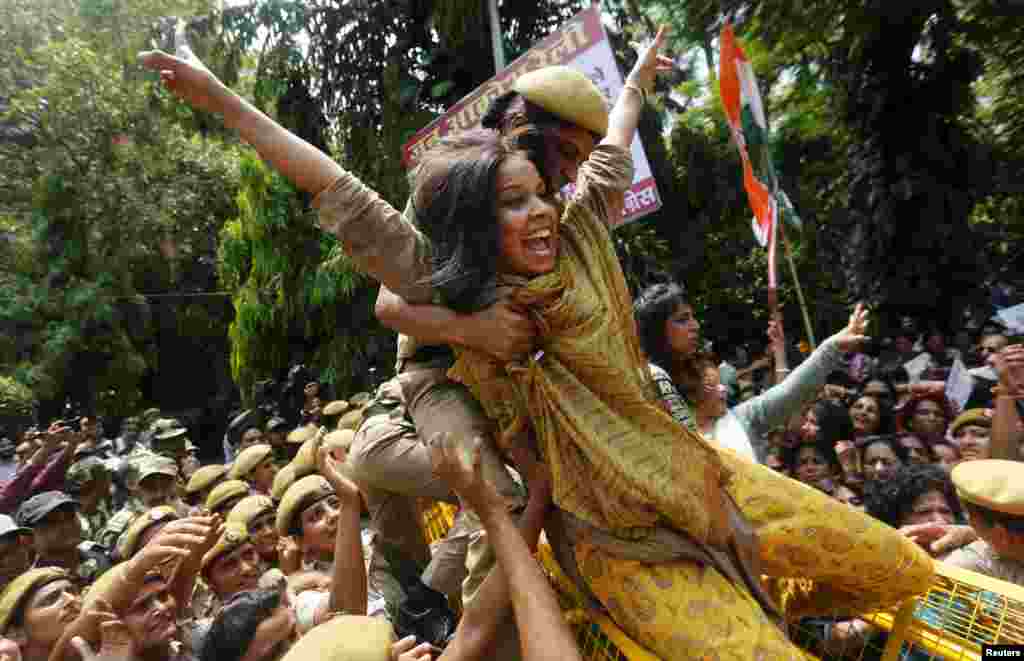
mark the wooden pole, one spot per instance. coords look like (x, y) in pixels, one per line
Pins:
(799, 290)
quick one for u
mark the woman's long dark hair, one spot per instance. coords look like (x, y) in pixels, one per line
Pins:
(652, 309)
(454, 199)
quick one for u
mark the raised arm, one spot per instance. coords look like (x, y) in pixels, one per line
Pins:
(778, 403)
(543, 633)
(348, 580)
(625, 114)
(378, 240)
(300, 162)
(1007, 433)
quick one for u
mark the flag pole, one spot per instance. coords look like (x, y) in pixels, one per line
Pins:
(497, 46)
(799, 290)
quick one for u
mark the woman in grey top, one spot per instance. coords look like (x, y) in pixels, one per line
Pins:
(670, 334)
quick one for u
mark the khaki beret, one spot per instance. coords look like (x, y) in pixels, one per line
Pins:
(249, 509)
(341, 438)
(994, 484)
(567, 93)
(128, 543)
(17, 591)
(980, 417)
(346, 638)
(224, 492)
(304, 462)
(301, 434)
(248, 459)
(166, 429)
(298, 497)
(205, 477)
(336, 407)
(234, 535)
(284, 479)
(351, 420)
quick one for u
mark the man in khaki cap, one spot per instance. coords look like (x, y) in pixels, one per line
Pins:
(258, 515)
(142, 529)
(972, 431)
(202, 482)
(232, 565)
(225, 496)
(89, 481)
(992, 493)
(255, 465)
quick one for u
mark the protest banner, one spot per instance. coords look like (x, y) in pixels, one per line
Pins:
(582, 44)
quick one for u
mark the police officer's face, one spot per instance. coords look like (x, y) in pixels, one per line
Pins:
(319, 523)
(573, 146)
(263, 534)
(49, 611)
(151, 618)
(156, 490)
(57, 532)
(236, 571)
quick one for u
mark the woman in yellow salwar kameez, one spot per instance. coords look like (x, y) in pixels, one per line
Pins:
(650, 506)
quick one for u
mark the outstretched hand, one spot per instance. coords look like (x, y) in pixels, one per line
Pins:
(851, 337)
(461, 469)
(329, 467)
(650, 62)
(189, 80)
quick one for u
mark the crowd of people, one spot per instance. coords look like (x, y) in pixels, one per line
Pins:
(535, 395)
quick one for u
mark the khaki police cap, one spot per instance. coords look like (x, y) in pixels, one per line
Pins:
(204, 477)
(224, 492)
(336, 407)
(234, 535)
(979, 417)
(567, 93)
(341, 438)
(128, 543)
(248, 459)
(346, 638)
(249, 509)
(351, 420)
(298, 497)
(284, 479)
(304, 462)
(17, 591)
(301, 434)
(994, 484)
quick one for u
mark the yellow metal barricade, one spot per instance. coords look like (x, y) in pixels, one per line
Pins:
(961, 611)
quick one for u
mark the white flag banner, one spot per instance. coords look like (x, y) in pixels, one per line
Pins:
(959, 386)
(1013, 317)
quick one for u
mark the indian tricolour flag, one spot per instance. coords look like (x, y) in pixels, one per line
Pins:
(745, 114)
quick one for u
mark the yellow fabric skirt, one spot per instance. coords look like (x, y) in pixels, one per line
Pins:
(682, 610)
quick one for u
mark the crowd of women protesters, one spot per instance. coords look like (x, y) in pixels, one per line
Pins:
(541, 400)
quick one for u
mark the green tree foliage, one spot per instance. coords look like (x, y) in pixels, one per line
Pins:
(103, 195)
(296, 296)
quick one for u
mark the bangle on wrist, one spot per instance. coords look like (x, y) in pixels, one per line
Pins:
(636, 88)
